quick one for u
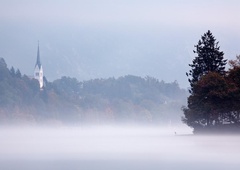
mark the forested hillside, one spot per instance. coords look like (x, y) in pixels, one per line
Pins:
(128, 99)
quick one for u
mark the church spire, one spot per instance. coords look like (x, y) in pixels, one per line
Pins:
(38, 63)
(38, 71)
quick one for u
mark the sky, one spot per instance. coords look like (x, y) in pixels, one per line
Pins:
(90, 39)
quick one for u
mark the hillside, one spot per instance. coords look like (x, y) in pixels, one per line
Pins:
(128, 99)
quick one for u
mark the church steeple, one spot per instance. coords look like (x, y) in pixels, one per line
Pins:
(38, 63)
(38, 71)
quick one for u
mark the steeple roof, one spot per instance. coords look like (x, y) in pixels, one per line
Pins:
(38, 63)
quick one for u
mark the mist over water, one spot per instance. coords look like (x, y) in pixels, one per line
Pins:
(111, 147)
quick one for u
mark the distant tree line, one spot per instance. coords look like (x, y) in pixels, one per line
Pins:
(214, 101)
(67, 100)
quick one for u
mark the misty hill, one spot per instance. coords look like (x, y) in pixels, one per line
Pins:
(67, 100)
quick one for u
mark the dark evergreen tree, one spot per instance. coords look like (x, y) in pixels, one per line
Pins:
(209, 59)
(210, 92)
(12, 71)
(4, 72)
(18, 74)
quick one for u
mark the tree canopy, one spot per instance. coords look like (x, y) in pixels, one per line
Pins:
(214, 101)
(209, 59)
(128, 98)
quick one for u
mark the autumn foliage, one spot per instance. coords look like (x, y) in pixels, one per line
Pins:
(214, 101)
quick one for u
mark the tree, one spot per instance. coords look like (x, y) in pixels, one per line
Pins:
(207, 103)
(18, 74)
(235, 63)
(211, 92)
(233, 79)
(12, 71)
(3, 63)
(209, 59)
(214, 103)
(4, 72)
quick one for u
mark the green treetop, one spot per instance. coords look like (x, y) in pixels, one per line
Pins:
(209, 59)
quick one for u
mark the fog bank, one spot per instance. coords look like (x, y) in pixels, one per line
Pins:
(108, 147)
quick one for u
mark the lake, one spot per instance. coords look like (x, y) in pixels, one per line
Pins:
(115, 148)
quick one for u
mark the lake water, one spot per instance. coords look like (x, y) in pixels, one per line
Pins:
(115, 148)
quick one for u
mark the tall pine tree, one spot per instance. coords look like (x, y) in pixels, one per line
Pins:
(209, 59)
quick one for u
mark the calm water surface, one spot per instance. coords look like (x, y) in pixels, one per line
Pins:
(115, 148)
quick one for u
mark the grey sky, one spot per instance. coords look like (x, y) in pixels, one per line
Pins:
(154, 12)
(102, 38)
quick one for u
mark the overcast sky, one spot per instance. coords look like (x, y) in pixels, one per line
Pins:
(105, 38)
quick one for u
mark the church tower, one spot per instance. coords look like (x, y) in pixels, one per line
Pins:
(38, 71)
